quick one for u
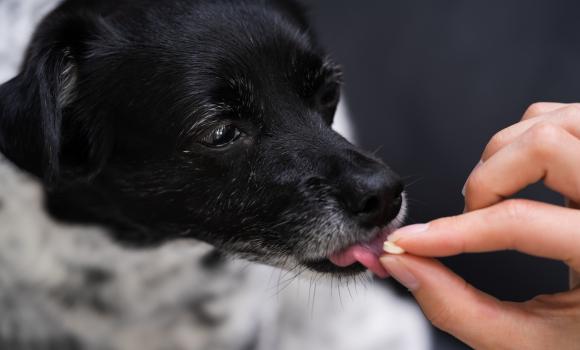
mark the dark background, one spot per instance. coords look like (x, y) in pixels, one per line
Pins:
(432, 81)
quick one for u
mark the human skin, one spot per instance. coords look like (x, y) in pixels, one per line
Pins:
(545, 146)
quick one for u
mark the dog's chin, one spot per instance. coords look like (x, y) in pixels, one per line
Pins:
(325, 266)
(358, 257)
(354, 259)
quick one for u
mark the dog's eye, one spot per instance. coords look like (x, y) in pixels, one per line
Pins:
(221, 136)
(330, 95)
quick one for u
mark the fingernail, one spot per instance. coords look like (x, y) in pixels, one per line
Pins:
(407, 230)
(474, 169)
(400, 273)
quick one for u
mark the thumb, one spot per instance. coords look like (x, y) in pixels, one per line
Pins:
(451, 304)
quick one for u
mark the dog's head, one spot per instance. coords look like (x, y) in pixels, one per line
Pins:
(203, 119)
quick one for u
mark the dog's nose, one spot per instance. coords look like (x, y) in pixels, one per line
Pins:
(372, 197)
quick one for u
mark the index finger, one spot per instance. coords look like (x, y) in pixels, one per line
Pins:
(530, 227)
(540, 108)
(565, 116)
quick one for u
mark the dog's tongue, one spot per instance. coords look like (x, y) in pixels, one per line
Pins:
(367, 253)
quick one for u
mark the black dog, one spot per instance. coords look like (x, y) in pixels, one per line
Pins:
(203, 119)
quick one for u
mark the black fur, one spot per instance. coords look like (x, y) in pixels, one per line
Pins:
(115, 98)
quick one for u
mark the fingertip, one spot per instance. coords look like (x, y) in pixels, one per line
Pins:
(399, 271)
(435, 239)
(407, 231)
(414, 271)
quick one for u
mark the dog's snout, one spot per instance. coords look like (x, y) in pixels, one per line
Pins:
(372, 197)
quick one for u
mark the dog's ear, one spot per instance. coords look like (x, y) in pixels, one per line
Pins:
(31, 104)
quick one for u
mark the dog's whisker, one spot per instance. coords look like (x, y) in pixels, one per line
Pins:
(278, 285)
(280, 275)
(284, 287)
(298, 288)
(348, 288)
(362, 282)
(417, 201)
(412, 183)
(381, 146)
(245, 267)
(287, 283)
(289, 278)
(313, 298)
(339, 296)
(335, 35)
(365, 294)
(331, 298)
(309, 291)
(270, 279)
(413, 175)
(290, 270)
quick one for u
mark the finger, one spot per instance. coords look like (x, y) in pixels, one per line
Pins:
(478, 319)
(567, 117)
(456, 307)
(574, 276)
(540, 108)
(530, 227)
(544, 152)
(574, 279)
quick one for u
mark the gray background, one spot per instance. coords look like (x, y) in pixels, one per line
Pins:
(430, 82)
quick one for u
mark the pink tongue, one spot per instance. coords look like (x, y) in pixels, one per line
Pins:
(367, 253)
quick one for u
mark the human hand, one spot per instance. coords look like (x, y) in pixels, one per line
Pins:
(545, 146)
